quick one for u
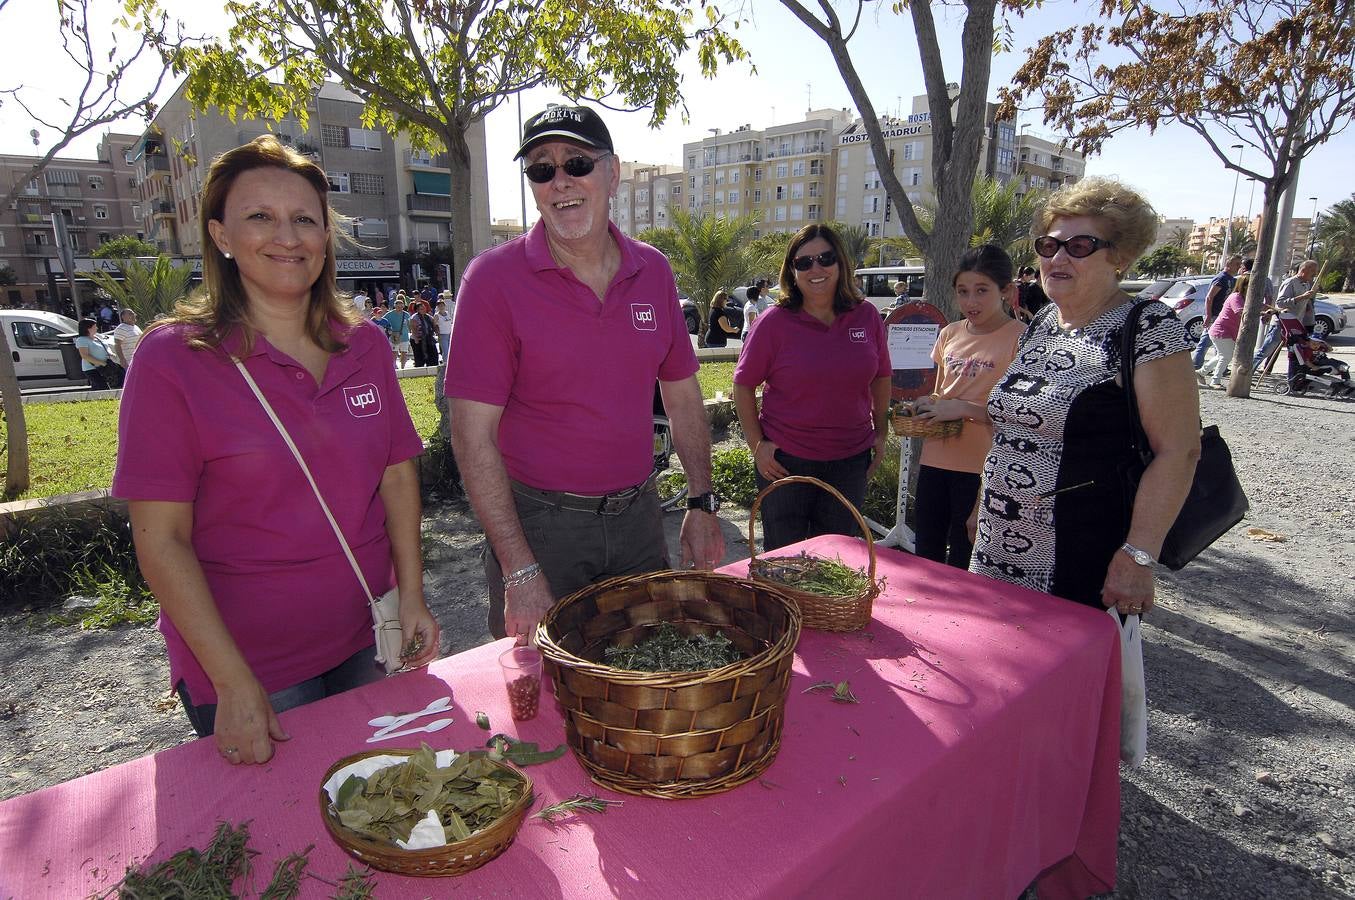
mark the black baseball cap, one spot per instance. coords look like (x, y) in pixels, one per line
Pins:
(573, 123)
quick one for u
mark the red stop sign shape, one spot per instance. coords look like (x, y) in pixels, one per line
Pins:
(909, 384)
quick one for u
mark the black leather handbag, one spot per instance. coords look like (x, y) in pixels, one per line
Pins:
(1215, 503)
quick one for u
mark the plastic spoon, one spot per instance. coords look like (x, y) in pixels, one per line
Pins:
(430, 727)
(437, 706)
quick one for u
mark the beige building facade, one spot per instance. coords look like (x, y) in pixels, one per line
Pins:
(645, 195)
(97, 199)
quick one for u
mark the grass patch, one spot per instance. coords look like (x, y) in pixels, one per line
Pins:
(419, 399)
(119, 601)
(71, 446)
(716, 376)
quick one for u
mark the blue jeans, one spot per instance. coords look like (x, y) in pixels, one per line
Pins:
(1197, 359)
(357, 670)
(1272, 338)
(444, 344)
(798, 512)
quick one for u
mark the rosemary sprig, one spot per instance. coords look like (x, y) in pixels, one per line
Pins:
(577, 803)
(842, 691)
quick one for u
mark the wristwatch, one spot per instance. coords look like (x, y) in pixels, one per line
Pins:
(1139, 556)
(706, 502)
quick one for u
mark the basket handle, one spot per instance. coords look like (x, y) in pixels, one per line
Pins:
(805, 479)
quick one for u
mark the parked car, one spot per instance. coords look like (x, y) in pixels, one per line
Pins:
(35, 338)
(1153, 291)
(1330, 318)
(1137, 286)
(877, 284)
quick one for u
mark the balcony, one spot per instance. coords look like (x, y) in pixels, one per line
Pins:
(418, 159)
(157, 162)
(64, 191)
(162, 208)
(48, 250)
(34, 220)
(429, 204)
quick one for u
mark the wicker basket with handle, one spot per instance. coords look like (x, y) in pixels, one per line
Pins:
(908, 425)
(672, 734)
(456, 858)
(819, 612)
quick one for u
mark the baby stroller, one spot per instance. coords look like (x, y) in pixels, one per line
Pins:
(1310, 368)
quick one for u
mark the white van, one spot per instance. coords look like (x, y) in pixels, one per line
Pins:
(877, 283)
(34, 342)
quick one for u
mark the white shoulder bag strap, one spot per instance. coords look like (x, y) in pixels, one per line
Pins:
(277, 423)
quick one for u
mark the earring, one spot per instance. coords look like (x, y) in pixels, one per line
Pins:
(228, 256)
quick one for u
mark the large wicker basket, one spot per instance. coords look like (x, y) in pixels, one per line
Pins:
(456, 858)
(672, 734)
(911, 426)
(820, 613)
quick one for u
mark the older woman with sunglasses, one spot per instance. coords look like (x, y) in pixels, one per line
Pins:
(1053, 514)
(823, 358)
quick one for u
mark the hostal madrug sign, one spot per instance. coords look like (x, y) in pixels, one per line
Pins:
(918, 123)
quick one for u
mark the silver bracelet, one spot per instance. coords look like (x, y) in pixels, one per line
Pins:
(522, 576)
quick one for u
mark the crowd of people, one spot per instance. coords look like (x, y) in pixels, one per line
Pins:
(259, 617)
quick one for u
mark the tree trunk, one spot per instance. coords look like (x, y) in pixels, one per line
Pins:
(451, 472)
(1239, 382)
(458, 160)
(16, 428)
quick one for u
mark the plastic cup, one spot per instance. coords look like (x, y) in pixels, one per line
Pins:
(521, 668)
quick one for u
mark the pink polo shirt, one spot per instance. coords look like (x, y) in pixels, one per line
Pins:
(816, 404)
(1229, 320)
(190, 431)
(575, 377)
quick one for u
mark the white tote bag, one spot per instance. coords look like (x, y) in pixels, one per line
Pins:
(1134, 694)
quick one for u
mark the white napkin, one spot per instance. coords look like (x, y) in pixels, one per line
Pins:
(429, 832)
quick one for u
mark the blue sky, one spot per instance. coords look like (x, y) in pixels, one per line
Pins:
(1173, 167)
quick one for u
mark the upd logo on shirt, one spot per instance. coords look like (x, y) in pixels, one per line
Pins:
(362, 401)
(642, 317)
(857, 335)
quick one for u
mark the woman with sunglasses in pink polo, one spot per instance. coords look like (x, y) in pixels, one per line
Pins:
(1052, 512)
(823, 361)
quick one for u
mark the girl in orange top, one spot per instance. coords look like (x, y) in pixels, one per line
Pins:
(971, 355)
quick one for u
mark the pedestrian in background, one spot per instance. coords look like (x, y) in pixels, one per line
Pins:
(125, 338)
(443, 319)
(1218, 292)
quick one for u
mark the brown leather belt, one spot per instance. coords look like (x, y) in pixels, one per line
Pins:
(613, 504)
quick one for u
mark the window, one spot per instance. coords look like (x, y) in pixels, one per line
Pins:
(364, 139)
(780, 192)
(912, 176)
(780, 214)
(719, 197)
(136, 210)
(677, 190)
(733, 196)
(798, 170)
(338, 182)
(691, 181)
(371, 228)
(100, 211)
(31, 189)
(34, 335)
(691, 162)
(816, 167)
(842, 183)
(96, 182)
(734, 177)
(719, 177)
(62, 176)
(705, 179)
(2, 243)
(781, 170)
(841, 207)
(813, 189)
(367, 183)
(797, 191)
(813, 212)
(757, 195)
(334, 135)
(757, 174)
(642, 195)
(842, 157)
(797, 211)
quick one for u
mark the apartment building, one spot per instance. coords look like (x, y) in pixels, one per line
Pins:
(644, 196)
(1045, 165)
(781, 175)
(1169, 231)
(501, 231)
(97, 198)
(395, 197)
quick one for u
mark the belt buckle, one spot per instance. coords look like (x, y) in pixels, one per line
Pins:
(618, 503)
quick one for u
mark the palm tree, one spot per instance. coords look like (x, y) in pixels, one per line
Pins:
(1002, 216)
(1240, 241)
(149, 289)
(1336, 232)
(707, 254)
(855, 240)
(1179, 237)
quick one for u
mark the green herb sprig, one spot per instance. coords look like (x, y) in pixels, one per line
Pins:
(669, 650)
(814, 575)
(577, 803)
(842, 691)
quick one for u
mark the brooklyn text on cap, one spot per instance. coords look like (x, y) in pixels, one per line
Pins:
(573, 123)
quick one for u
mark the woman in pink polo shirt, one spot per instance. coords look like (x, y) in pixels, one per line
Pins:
(1223, 332)
(823, 358)
(261, 610)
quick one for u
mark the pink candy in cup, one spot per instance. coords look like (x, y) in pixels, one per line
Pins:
(522, 675)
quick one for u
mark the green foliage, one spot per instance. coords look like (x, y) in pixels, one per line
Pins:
(1240, 241)
(732, 476)
(766, 253)
(7, 275)
(707, 254)
(76, 443)
(1165, 262)
(124, 246)
(1331, 282)
(1002, 216)
(890, 251)
(716, 376)
(120, 600)
(855, 238)
(882, 491)
(46, 558)
(151, 289)
(1336, 233)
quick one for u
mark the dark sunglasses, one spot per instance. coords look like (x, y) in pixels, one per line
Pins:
(825, 259)
(575, 167)
(1079, 246)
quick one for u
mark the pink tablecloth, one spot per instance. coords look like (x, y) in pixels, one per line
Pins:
(982, 753)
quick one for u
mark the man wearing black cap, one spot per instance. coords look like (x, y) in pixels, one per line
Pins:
(558, 340)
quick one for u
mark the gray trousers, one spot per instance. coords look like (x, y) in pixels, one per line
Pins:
(577, 548)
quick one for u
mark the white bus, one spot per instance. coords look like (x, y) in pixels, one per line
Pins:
(877, 283)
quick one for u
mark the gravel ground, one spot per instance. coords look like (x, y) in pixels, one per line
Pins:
(1248, 790)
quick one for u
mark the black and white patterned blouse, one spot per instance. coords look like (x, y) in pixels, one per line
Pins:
(1053, 506)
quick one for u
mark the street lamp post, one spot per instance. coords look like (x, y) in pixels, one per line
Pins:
(1312, 231)
(1232, 207)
